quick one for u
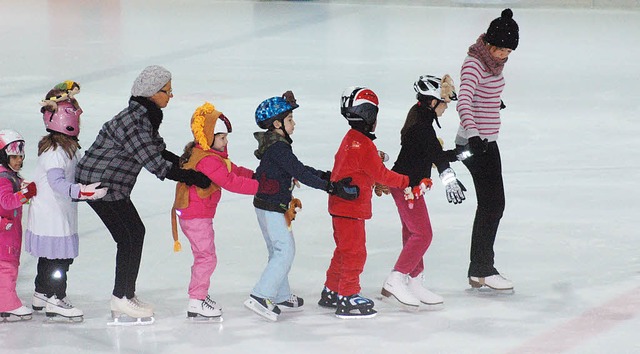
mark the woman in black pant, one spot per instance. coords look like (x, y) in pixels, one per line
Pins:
(479, 105)
(126, 144)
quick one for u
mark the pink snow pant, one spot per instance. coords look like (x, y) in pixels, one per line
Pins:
(8, 278)
(201, 235)
(349, 257)
(416, 234)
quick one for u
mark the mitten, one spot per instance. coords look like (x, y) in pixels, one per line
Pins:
(343, 189)
(5, 224)
(383, 156)
(453, 187)
(380, 189)
(294, 207)
(409, 197)
(188, 177)
(423, 187)
(27, 192)
(91, 191)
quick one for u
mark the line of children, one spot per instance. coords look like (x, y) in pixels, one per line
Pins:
(52, 228)
(14, 192)
(196, 206)
(278, 169)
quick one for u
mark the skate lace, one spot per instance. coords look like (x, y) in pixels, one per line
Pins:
(209, 303)
(64, 303)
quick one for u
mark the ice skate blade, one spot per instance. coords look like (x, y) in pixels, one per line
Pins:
(328, 305)
(124, 320)
(260, 310)
(485, 290)
(53, 317)
(197, 318)
(389, 298)
(9, 317)
(37, 308)
(356, 316)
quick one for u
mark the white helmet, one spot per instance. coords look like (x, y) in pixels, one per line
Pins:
(431, 86)
(11, 142)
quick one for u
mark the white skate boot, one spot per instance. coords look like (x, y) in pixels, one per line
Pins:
(62, 307)
(396, 287)
(426, 297)
(20, 314)
(495, 282)
(39, 301)
(127, 312)
(141, 303)
(204, 310)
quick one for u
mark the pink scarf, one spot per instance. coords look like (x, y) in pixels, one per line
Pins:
(479, 51)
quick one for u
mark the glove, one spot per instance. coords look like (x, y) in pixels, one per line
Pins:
(27, 192)
(343, 189)
(188, 177)
(477, 146)
(5, 224)
(458, 154)
(381, 189)
(383, 156)
(409, 197)
(169, 156)
(454, 188)
(502, 105)
(423, 187)
(91, 191)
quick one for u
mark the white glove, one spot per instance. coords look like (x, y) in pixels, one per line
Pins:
(454, 188)
(91, 191)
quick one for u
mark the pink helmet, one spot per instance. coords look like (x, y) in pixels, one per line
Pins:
(65, 120)
(11, 142)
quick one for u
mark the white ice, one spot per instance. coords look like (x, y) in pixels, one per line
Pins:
(568, 239)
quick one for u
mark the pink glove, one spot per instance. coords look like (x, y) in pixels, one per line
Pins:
(92, 192)
(5, 224)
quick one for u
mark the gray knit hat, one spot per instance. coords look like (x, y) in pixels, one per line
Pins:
(150, 81)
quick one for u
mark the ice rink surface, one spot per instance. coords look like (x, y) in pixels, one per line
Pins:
(569, 237)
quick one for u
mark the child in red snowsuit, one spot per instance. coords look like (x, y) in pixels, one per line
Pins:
(357, 157)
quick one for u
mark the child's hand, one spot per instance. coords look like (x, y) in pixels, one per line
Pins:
(92, 192)
(27, 192)
(380, 189)
(383, 156)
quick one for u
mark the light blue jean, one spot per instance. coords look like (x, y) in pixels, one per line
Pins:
(274, 281)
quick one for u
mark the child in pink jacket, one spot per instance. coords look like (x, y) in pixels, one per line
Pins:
(196, 207)
(12, 196)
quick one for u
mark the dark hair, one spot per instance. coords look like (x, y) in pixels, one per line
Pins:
(186, 154)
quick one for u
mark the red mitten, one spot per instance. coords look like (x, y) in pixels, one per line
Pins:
(27, 192)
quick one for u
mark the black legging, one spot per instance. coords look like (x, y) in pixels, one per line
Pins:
(52, 276)
(123, 222)
(486, 171)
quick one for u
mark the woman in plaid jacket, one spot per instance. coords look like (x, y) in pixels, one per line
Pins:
(126, 144)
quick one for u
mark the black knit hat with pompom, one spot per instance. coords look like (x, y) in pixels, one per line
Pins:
(503, 31)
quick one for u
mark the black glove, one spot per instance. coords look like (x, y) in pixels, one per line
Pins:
(343, 189)
(326, 175)
(188, 177)
(502, 105)
(477, 146)
(169, 156)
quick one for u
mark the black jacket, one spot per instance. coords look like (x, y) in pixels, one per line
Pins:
(420, 147)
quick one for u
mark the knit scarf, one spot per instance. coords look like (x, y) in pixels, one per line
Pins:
(154, 112)
(479, 51)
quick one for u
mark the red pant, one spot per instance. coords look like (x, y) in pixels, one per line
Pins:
(416, 234)
(343, 275)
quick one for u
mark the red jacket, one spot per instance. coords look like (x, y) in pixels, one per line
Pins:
(358, 158)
